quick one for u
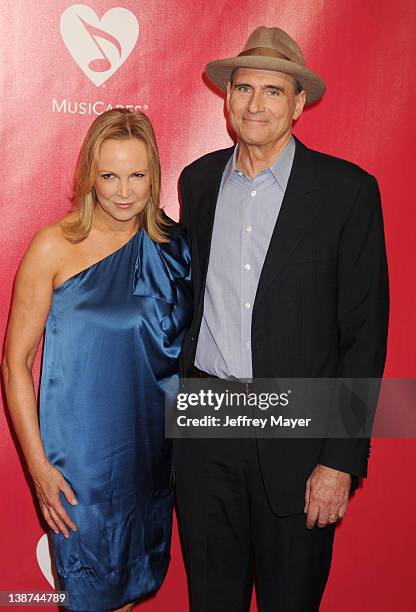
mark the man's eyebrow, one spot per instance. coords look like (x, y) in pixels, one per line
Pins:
(242, 84)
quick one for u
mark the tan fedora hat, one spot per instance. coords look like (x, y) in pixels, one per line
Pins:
(269, 49)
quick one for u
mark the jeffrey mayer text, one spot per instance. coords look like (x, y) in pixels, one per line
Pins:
(241, 421)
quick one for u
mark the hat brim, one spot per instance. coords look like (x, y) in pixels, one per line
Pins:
(219, 73)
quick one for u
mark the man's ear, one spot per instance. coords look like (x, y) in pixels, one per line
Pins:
(300, 103)
(227, 99)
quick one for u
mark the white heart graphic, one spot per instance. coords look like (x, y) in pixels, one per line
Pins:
(44, 559)
(99, 47)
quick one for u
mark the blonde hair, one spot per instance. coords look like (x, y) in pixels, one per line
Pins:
(117, 124)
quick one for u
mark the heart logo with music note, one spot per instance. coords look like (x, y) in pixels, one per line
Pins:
(44, 559)
(99, 46)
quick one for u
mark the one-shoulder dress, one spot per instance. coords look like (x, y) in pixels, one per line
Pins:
(112, 341)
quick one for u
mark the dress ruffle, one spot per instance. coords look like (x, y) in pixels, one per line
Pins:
(159, 266)
(162, 271)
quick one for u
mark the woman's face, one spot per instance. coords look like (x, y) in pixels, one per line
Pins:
(123, 183)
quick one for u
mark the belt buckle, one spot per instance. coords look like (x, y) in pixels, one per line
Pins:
(247, 386)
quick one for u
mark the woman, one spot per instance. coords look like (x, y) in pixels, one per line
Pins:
(110, 285)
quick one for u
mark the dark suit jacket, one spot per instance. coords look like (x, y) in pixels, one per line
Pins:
(321, 307)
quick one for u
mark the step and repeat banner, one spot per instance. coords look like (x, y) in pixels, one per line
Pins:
(64, 63)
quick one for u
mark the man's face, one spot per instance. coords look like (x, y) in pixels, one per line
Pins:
(262, 105)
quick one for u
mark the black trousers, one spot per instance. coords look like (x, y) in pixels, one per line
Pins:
(231, 539)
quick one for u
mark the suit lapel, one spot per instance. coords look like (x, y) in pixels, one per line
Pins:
(207, 203)
(299, 207)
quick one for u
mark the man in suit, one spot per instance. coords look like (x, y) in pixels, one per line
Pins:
(290, 280)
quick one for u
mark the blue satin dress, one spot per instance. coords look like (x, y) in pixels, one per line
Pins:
(112, 342)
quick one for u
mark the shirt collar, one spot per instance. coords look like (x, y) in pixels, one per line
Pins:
(280, 168)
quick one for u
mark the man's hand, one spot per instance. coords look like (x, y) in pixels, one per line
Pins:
(326, 496)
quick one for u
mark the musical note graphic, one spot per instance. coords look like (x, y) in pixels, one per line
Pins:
(101, 64)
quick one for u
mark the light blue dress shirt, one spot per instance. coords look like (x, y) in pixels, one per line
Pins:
(245, 216)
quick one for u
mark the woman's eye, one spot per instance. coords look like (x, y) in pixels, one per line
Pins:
(107, 176)
(138, 175)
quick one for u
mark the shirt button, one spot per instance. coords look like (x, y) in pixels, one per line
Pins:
(240, 173)
(253, 193)
(248, 228)
(247, 305)
(247, 267)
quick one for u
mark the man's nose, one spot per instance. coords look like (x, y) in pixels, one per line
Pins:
(124, 189)
(255, 104)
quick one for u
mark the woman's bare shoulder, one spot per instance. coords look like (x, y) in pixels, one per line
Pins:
(48, 246)
(51, 237)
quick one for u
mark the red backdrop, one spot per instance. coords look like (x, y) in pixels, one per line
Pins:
(365, 52)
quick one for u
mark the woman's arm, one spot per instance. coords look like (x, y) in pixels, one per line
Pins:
(32, 298)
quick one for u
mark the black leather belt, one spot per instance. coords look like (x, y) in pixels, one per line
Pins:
(245, 387)
(197, 373)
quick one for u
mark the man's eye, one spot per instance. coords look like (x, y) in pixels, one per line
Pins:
(243, 88)
(274, 92)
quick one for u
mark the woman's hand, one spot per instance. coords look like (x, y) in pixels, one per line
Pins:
(49, 482)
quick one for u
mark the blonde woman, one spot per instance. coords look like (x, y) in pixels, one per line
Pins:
(109, 285)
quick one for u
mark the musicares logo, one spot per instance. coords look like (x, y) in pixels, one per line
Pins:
(99, 47)
(44, 560)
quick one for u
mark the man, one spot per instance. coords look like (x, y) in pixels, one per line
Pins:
(290, 280)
